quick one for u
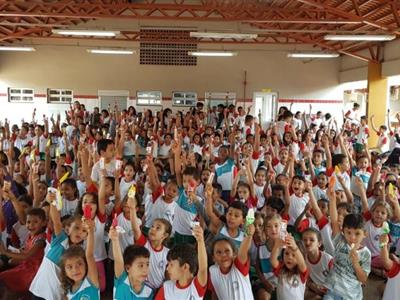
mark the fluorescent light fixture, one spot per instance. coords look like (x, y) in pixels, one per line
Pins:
(86, 32)
(223, 35)
(212, 53)
(312, 55)
(110, 51)
(12, 48)
(359, 37)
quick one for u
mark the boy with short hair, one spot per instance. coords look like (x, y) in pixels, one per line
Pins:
(106, 150)
(182, 265)
(352, 261)
(131, 270)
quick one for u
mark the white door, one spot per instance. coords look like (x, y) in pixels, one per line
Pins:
(265, 106)
(110, 98)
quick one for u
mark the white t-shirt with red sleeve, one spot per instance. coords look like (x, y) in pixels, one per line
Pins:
(292, 288)
(392, 289)
(171, 290)
(234, 285)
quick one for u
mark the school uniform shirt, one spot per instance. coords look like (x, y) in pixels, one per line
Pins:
(373, 233)
(81, 187)
(297, 205)
(42, 143)
(87, 291)
(158, 263)
(19, 233)
(171, 290)
(46, 283)
(290, 288)
(345, 176)
(319, 193)
(383, 142)
(259, 191)
(185, 213)
(363, 175)
(362, 134)
(156, 208)
(129, 148)
(225, 173)
(223, 233)
(126, 238)
(163, 150)
(342, 279)
(264, 257)
(100, 252)
(68, 207)
(21, 143)
(319, 269)
(124, 291)
(110, 168)
(392, 289)
(124, 187)
(234, 285)
(326, 234)
(278, 166)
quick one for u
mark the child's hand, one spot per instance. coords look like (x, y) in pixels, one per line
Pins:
(89, 225)
(290, 242)
(51, 197)
(132, 203)
(384, 239)
(251, 229)
(340, 179)
(198, 233)
(113, 234)
(354, 255)
(358, 181)
(308, 186)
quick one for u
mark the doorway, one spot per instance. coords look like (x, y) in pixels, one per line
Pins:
(110, 98)
(265, 107)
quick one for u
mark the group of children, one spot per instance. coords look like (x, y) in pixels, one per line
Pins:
(206, 204)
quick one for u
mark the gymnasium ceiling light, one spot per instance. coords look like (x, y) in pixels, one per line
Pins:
(111, 51)
(86, 32)
(312, 55)
(14, 48)
(212, 53)
(359, 37)
(223, 35)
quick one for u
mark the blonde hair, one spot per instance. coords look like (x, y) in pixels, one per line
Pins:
(384, 205)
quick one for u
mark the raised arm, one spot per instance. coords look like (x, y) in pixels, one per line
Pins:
(215, 222)
(92, 272)
(117, 252)
(332, 209)
(55, 216)
(201, 256)
(102, 192)
(387, 262)
(134, 219)
(243, 253)
(176, 148)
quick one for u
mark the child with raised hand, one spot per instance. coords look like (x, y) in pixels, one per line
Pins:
(49, 269)
(185, 282)
(130, 270)
(243, 191)
(392, 268)
(318, 263)
(29, 257)
(229, 277)
(128, 179)
(158, 233)
(292, 271)
(79, 277)
(161, 203)
(235, 217)
(351, 260)
(376, 221)
(185, 211)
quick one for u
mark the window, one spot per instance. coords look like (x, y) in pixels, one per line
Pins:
(216, 98)
(59, 96)
(20, 95)
(148, 98)
(184, 98)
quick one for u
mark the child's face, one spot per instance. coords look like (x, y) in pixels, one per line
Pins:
(171, 191)
(34, 224)
(362, 163)
(323, 206)
(243, 192)
(278, 193)
(379, 215)
(75, 268)
(317, 158)
(204, 176)
(340, 196)
(272, 229)
(310, 241)
(109, 153)
(259, 226)
(76, 232)
(269, 211)
(81, 176)
(187, 179)
(215, 195)
(139, 269)
(345, 165)
(322, 181)
(289, 258)
(174, 270)
(354, 236)
(129, 172)
(283, 155)
(234, 217)
(67, 192)
(223, 254)
(260, 177)
(157, 231)
(297, 186)
(108, 188)
(88, 200)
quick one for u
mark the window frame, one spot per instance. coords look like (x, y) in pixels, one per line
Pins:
(21, 94)
(60, 95)
(139, 98)
(184, 99)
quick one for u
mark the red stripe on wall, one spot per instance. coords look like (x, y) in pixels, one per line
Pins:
(309, 101)
(86, 97)
(3, 94)
(40, 95)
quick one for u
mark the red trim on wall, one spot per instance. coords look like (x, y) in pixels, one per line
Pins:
(3, 94)
(86, 97)
(309, 101)
(41, 95)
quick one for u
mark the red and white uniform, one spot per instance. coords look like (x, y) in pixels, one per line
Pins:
(383, 142)
(234, 285)
(297, 205)
(392, 289)
(157, 208)
(158, 262)
(362, 134)
(171, 290)
(319, 269)
(373, 233)
(292, 289)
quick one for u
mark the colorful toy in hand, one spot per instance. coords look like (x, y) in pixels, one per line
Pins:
(132, 191)
(87, 211)
(115, 225)
(250, 218)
